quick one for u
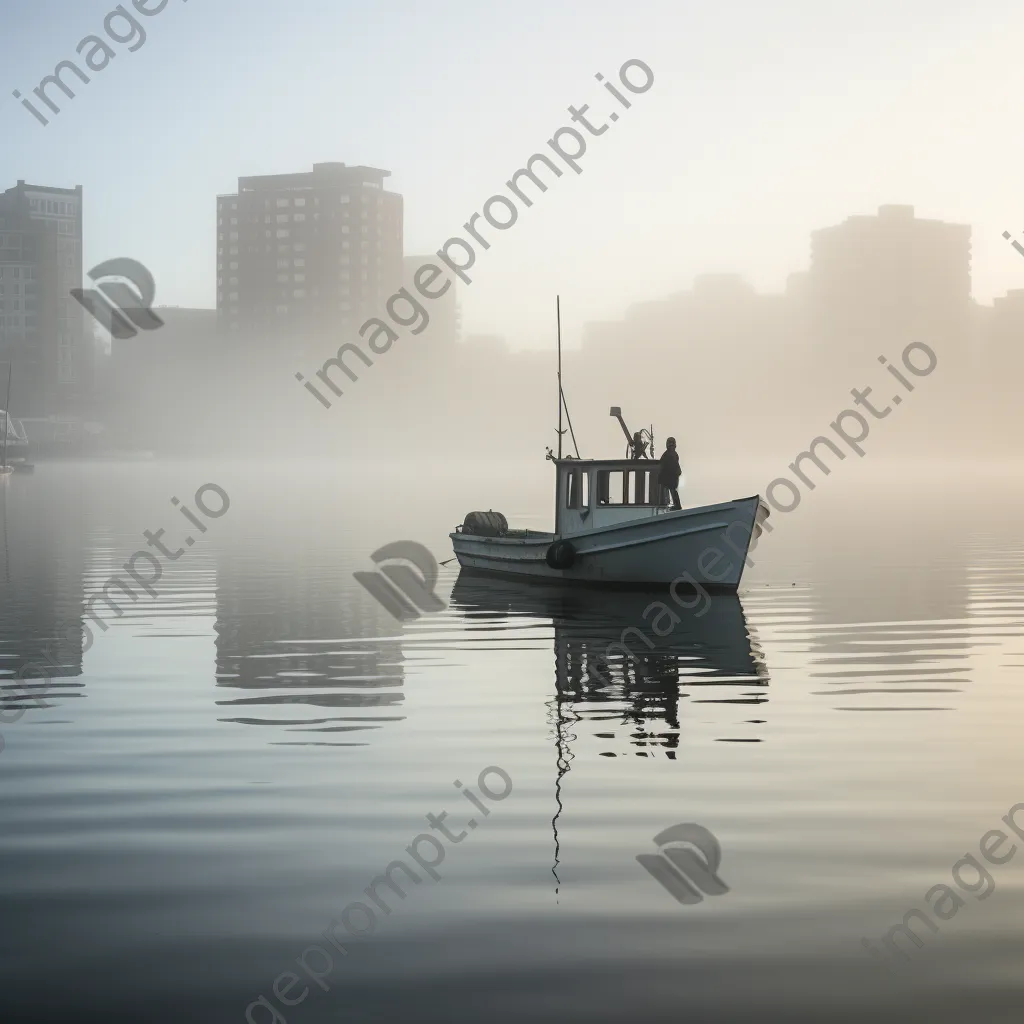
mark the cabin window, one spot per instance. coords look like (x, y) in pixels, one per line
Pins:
(576, 489)
(628, 486)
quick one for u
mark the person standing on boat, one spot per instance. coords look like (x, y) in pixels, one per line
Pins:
(669, 472)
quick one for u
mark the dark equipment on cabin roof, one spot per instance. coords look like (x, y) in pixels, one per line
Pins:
(637, 446)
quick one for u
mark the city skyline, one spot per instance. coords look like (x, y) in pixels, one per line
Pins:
(873, 280)
(711, 173)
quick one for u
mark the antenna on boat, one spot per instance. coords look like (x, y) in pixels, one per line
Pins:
(561, 394)
(558, 320)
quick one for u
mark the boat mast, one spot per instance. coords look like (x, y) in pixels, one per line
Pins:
(558, 319)
(562, 403)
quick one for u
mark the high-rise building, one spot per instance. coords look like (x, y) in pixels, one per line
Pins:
(877, 283)
(42, 328)
(301, 254)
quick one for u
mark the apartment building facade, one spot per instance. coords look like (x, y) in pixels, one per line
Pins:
(43, 332)
(304, 255)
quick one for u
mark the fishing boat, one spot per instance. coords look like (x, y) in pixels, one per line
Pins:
(613, 526)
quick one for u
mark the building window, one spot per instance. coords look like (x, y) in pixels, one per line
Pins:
(300, 202)
(298, 217)
(282, 202)
(282, 232)
(299, 293)
(300, 278)
(299, 262)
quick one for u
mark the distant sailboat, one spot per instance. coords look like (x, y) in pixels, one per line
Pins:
(4, 467)
(14, 436)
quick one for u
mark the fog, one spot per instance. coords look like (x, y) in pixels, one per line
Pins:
(688, 158)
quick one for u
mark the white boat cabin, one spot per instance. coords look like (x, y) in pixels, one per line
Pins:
(595, 493)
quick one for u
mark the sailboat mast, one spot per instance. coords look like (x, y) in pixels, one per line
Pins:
(7, 409)
(558, 318)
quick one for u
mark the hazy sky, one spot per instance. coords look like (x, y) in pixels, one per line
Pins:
(766, 120)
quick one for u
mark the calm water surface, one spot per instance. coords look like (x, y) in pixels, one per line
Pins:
(231, 763)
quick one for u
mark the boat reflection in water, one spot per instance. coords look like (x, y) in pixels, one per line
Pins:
(613, 667)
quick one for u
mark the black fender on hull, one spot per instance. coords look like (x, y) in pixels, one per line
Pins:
(561, 555)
